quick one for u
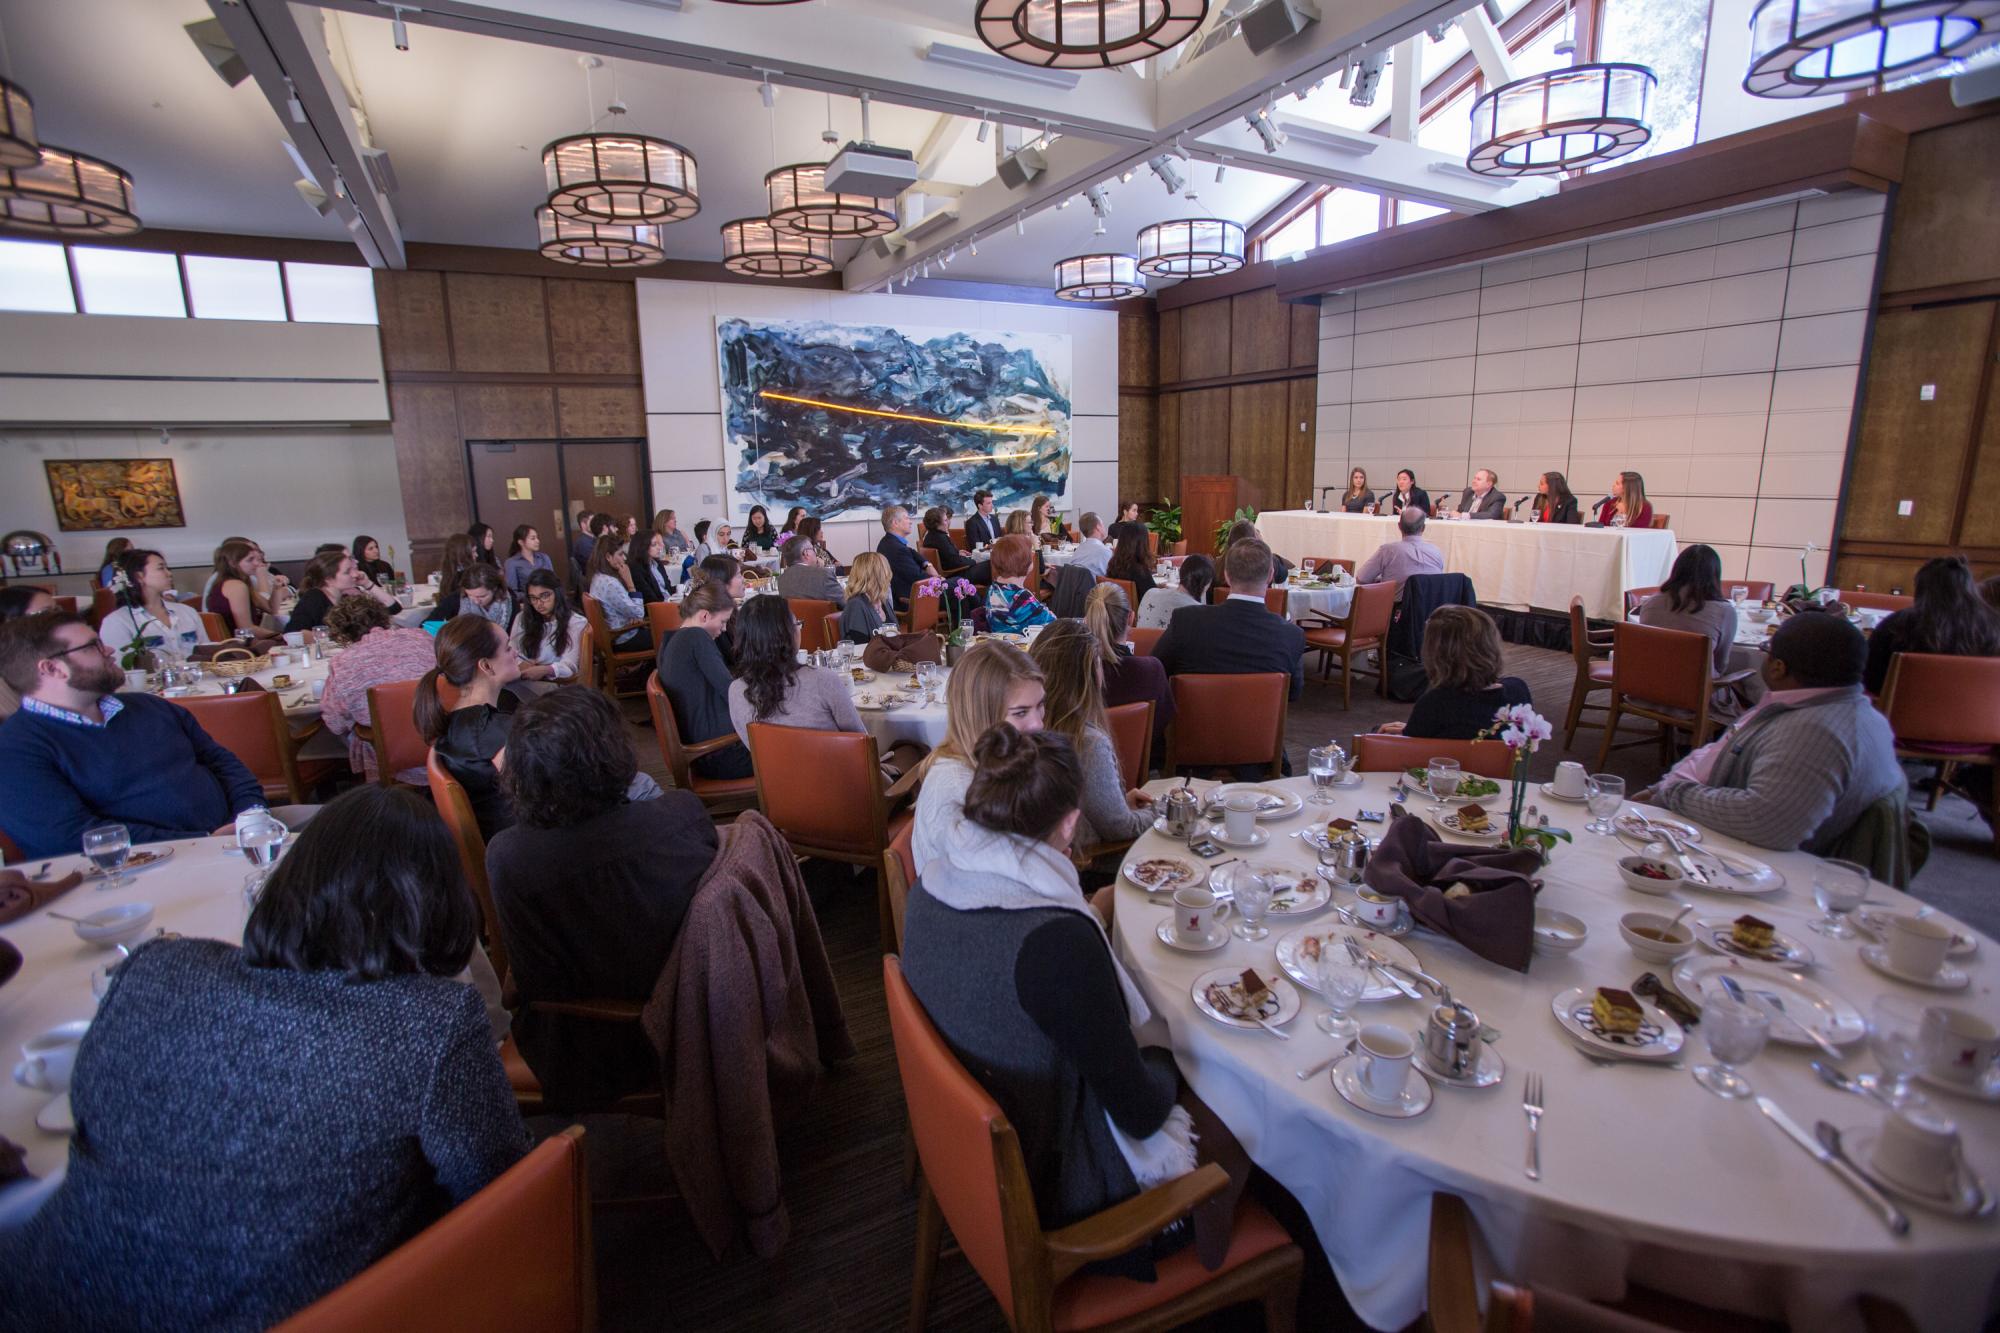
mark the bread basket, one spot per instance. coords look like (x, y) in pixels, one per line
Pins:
(236, 662)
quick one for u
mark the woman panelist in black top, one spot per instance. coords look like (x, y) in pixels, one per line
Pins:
(1553, 501)
(1407, 493)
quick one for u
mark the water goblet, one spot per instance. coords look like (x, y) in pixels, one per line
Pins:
(1442, 776)
(107, 846)
(1735, 1031)
(1252, 893)
(1341, 983)
(1838, 888)
(247, 635)
(1323, 764)
(1901, 1045)
(261, 836)
(1603, 793)
(927, 680)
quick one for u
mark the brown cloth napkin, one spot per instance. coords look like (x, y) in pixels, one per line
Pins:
(20, 895)
(900, 652)
(203, 652)
(1497, 921)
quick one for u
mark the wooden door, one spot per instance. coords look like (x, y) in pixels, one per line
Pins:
(606, 477)
(516, 482)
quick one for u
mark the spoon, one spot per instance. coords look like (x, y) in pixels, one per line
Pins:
(80, 920)
(1892, 1217)
(1685, 909)
(1846, 1082)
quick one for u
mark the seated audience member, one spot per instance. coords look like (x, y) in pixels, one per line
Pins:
(481, 591)
(1129, 677)
(1072, 662)
(867, 606)
(144, 613)
(482, 544)
(994, 682)
(1626, 506)
(476, 658)
(584, 543)
(791, 528)
(364, 1093)
(1359, 498)
(772, 686)
(906, 565)
(549, 638)
(1807, 761)
(646, 561)
(1015, 970)
(1406, 494)
(1017, 525)
(1128, 512)
(1553, 501)
(982, 525)
(1197, 576)
(802, 576)
(1238, 636)
(107, 565)
(1464, 688)
(1244, 530)
(327, 579)
(610, 582)
(810, 529)
(377, 653)
(232, 593)
(695, 678)
(1691, 599)
(19, 600)
(590, 887)
(1010, 607)
(367, 553)
(711, 539)
(725, 569)
(77, 754)
(457, 560)
(1948, 617)
(941, 550)
(1482, 499)
(1131, 560)
(1091, 552)
(1044, 522)
(524, 557)
(757, 529)
(669, 527)
(1392, 562)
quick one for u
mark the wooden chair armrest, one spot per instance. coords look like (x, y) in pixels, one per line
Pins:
(1731, 677)
(306, 733)
(1118, 1228)
(711, 745)
(364, 732)
(1453, 1289)
(605, 1011)
(904, 787)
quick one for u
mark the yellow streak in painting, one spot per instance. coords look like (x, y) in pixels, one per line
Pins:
(1000, 427)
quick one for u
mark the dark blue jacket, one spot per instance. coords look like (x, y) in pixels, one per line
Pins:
(906, 566)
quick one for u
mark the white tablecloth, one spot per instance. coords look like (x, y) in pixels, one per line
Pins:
(1646, 1176)
(300, 705)
(1511, 564)
(1332, 603)
(922, 723)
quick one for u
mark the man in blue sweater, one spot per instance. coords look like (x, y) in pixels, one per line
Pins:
(77, 755)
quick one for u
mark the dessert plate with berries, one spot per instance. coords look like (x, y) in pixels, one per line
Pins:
(1615, 1024)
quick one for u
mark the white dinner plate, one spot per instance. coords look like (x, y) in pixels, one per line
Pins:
(1280, 1007)
(1299, 968)
(1948, 977)
(1448, 821)
(1875, 921)
(1165, 874)
(1414, 1100)
(1802, 1001)
(1295, 892)
(1456, 797)
(1288, 805)
(1786, 950)
(1629, 822)
(1658, 1038)
(141, 858)
(1216, 937)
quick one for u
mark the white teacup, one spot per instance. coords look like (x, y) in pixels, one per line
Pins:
(1382, 1061)
(318, 688)
(138, 680)
(1918, 1149)
(296, 638)
(48, 1058)
(281, 659)
(1918, 945)
(1377, 909)
(1196, 911)
(1966, 1047)
(1239, 815)
(1568, 780)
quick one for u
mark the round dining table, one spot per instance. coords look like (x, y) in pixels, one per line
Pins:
(1646, 1177)
(298, 698)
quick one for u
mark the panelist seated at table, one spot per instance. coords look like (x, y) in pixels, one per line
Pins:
(1359, 497)
(801, 576)
(1462, 661)
(1626, 506)
(1482, 499)
(1554, 502)
(255, 1126)
(1406, 494)
(1808, 761)
(1409, 554)
(1195, 577)
(1010, 607)
(78, 754)
(375, 652)
(906, 566)
(1238, 636)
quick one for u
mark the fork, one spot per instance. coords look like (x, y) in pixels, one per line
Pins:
(1531, 1102)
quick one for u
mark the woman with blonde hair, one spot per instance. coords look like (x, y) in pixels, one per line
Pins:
(1129, 677)
(867, 606)
(232, 594)
(1626, 506)
(994, 682)
(1017, 525)
(1072, 661)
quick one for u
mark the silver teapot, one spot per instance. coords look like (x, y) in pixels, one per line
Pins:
(1451, 1038)
(1182, 812)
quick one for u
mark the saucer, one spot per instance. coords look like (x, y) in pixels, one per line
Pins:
(1220, 832)
(1495, 828)
(1946, 977)
(1963, 1198)
(1987, 1091)
(1549, 790)
(57, 1117)
(1216, 937)
(1416, 1096)
(1489, 1071)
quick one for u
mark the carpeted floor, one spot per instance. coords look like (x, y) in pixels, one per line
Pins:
(848, 1264)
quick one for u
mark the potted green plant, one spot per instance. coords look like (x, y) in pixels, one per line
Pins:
(1244, 515)
(1165, 522)
(1523, 730)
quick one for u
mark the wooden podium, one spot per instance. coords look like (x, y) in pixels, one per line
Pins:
(1205, 502)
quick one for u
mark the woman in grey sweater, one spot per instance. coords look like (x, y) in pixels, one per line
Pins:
(255, 1126)
(771, 685)
(1072, 661)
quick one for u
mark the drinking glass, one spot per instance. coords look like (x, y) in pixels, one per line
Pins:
(1252, 892)
(1341, 983)
(1838, 888)
(1442, 775)
(107, 846)
(1323, 764)
(1902, 1047)
(1603, 793)
(246, 634)
(927, 680)
(1737, 594)
(1735, 1032)
(261, 838)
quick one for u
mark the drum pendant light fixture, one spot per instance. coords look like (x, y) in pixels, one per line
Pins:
(1099, 277)
(18, 145)
(803, 206)
(620, 178)
(756, 249)
(1803, 48)
(1562, 120)
(1086, 34)
(1190, 248)
(67, 193)
(597, 244)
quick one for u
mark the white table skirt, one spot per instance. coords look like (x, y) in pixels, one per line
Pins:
(1511, 564)
(1647, 1177)
(1332, 603)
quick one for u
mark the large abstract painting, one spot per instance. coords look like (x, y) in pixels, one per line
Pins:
(100, 494)
(847, 419)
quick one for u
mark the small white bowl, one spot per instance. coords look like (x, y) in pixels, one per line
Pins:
(1659, 888)
(1558, 932)
(1655, 951)
(113, 926)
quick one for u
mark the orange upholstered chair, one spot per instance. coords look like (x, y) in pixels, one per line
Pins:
(1663, 521)
(392, 729)
(922, 615)
(830, 630)
(1593, 673)
(823, 790)
(976, 1182)
(1663, 676)
(663, 618)
(1634, 597)
(455, 808)
(720, 795)
(610, 657)
(812, 613)
(902, 868)
(1277, 599)
(1132, 734)
(1861, 600)
(102, 603)
(252, 727)
(213, 628)
(1754, 590)
(1366, 627)
(1376, 753)
(1228, 721)
(1126, 586)
(1143, 639)
(1945, 711)
(514, 1258)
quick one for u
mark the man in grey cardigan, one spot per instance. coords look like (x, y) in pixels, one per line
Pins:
(803, 576)
(1807, 762)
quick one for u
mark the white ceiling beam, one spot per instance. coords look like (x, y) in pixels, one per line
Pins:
(945, 135)
(1489, 48)
(1335, 155)
(1406, 89)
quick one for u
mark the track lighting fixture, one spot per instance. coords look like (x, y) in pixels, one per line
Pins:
(1368, 78)
(985, 127)
(1267, 130)
(1163, 167)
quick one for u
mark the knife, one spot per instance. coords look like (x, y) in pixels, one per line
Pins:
(1361, 956)
(1688, 867)
(1892, 1216)
(1404, 969)
(1776, 1013)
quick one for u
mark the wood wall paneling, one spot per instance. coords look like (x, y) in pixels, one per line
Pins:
(1879, 573)
(1944, 231)
(1169, 360)
(1981, 526)
(1138, 351)
(430, 460)
(1205, 338)
(1910, 449)
(508, 412)
(498, 324)
(1299, 443)
(1204, 431)
(611, 412)
(593, 328)
(1260, 332)
(1138, 447)
(1167, 429)
(1305, 336)
(1258, 418)
(415, 332)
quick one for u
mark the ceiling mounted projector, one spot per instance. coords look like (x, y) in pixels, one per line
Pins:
(870, 169)
(1277, 21)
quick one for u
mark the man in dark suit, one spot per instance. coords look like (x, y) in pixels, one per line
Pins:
(906, 566)
(982, 525)
(1237, 636)
(1482, 499)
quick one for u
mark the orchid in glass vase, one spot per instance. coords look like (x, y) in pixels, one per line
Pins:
(950, 594)
(1523, 730)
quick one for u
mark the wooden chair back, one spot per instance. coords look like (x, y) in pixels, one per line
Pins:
(830, 628)
(1754, 590)
(1373, 608)
(1278, 599)
(213, 628)
(455, 808)
(103, 602)
(902, 867)
(1129, 588)
(392, 729)
(1143, 639)
(1635, 598)
(720, 795)
(1376, 753)
(822, 789)
(1228, 721)
(252, 727)
(1661, 521)
(923, 614)
(813, 613)
(1666, 667)
(662, 618)
(1132, 735)
(1935, 698)
(1876, 601)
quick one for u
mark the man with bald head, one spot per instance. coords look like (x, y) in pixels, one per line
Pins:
(1482, 499)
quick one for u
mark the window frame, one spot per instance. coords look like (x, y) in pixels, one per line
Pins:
(180, 259)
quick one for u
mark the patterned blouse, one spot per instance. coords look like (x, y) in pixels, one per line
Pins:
(1011, 610)
(384, 657)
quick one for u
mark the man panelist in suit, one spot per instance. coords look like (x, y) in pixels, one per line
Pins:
(982, 525)
(1482, 499)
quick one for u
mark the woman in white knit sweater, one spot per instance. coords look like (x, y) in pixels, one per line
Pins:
(994, 682)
